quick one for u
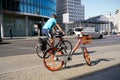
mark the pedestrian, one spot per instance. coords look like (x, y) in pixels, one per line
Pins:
(10, 31)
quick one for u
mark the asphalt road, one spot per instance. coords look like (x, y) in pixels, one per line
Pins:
(16, 65)
(105, 66)
(27, 46)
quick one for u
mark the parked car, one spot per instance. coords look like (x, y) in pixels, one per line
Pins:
(105, 33)
(113, 33)
(89, 31)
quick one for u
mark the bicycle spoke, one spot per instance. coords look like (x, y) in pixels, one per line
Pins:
(39, 52)
(49, 59)
(49, 62)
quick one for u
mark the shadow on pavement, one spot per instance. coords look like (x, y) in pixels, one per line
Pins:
(91, 52)
(74, 66)
(79, 53)
(109, 73)
(4, 43)
(93, 63)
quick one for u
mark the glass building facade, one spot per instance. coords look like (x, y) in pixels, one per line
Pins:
(20, 15)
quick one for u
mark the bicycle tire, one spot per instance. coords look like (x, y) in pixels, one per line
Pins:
(49, 62)
(86, 56)
(64, 43)
(67, 45)
(39, 52)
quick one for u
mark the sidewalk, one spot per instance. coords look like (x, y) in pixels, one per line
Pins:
(19, 38)
(31, 67)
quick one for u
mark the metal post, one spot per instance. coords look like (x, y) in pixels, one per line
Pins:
(1, 25)
(43, 21)
(26, 25)
(109, 23)
(66, 26)
(38, 33)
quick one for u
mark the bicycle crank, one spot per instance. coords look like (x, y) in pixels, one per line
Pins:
(64, 58)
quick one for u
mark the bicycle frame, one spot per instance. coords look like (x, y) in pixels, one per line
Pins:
(59, 57)
(60, 41)
(67, 56)
(79, 43)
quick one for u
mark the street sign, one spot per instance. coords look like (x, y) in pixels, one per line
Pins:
(66, 18)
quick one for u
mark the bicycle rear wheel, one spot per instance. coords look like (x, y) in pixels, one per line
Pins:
(41, 47)
(39, 52)
(86, 56)
(49, 59)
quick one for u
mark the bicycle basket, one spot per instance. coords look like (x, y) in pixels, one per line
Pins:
(86, 39)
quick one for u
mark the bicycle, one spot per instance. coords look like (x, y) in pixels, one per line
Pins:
(44, 44)
(58, 57)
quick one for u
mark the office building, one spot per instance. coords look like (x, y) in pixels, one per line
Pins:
(20, 15)
(73, 7)
(117, 21)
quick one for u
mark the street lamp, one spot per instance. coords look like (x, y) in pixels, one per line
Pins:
(109, 23)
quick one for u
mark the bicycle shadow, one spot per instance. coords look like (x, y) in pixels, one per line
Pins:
(93, 63)
(79, 53)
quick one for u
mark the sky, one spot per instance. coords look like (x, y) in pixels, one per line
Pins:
(100, 7)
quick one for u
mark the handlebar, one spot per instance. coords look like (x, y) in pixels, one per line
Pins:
(59, 35)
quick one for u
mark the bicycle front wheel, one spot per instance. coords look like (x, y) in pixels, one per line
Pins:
(67, 46)
(49, 59)
(86, 56)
